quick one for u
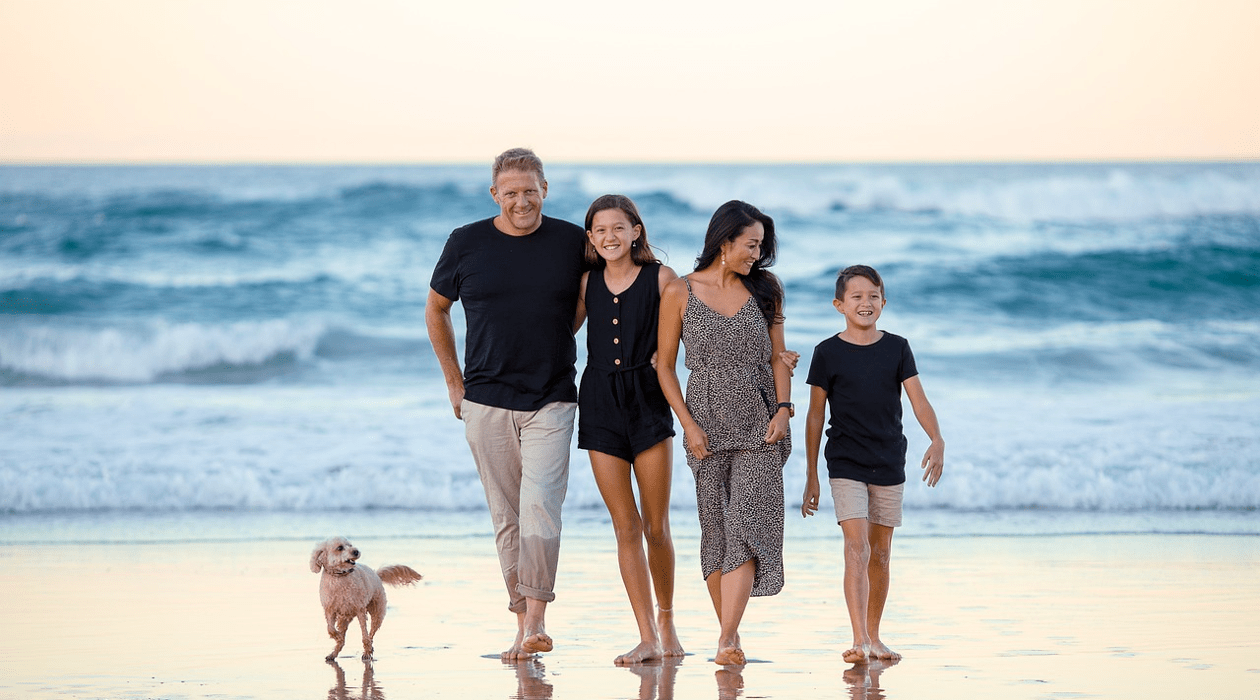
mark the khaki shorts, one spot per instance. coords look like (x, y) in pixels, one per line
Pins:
(878, 504)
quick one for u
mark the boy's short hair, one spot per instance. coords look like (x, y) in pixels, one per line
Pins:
(848, 273)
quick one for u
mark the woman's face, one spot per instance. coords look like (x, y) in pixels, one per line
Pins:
(744, 250)
(612, 234)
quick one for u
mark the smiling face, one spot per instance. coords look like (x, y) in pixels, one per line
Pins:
(743, 251)
(335, 555)
(861, 303)
(520, 195)
(612, 234)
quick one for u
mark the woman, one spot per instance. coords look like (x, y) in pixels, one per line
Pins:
(623, 418)
(729, 315)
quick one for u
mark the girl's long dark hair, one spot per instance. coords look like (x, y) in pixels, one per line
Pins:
(640, 253)
(727, 223)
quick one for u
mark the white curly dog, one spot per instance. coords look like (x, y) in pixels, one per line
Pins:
(349, 590)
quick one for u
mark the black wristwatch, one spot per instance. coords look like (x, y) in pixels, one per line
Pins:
(788, 405)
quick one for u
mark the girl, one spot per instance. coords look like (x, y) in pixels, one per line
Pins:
(623, 418)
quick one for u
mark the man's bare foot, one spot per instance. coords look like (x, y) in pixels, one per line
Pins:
(646, 651)
(879, 650)
(670, 646)
(730, 656)
(856, 654)
(537, 642)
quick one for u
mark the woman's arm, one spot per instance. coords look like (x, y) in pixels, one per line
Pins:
(778, 428)
(669, 333)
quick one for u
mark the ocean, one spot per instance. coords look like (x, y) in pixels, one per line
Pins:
(224, 341)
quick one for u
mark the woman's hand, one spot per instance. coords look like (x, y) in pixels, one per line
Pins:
(778, 428)
(697, 441)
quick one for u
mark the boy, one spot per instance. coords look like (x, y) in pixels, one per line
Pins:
(860, 373)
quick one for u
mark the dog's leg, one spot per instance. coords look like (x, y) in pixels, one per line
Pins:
(337, 630)
(367, 636)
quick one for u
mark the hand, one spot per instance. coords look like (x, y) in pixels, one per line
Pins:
(809, 502)
(933, 462)
(697, 442)
(778, 428)
(456, 395)
(789, 358)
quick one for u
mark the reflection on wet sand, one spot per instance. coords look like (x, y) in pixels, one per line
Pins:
(369, 690)
(863, 679)
(531, 680)
(730, 682)
(656, 678)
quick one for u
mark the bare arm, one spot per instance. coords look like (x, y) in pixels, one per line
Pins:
(669, 333)
(437, 319)
(778, 428)
(814, 422)
(580, 317)
(934, 458)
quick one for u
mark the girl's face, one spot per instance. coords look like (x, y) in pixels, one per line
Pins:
(744, 250)
(612, 234)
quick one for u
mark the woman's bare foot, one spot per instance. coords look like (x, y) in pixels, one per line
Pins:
(856, 654)
(730, 656)
(670, 646)
(879, 650)
(644, 652)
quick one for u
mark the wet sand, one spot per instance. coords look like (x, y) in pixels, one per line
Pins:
(233, 612)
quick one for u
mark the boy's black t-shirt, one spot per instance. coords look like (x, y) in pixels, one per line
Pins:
(520, 296)
(863, 383)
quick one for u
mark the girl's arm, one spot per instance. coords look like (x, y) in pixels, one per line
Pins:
(669, 333)
(580, 316)
(934, 458)
(814, 421)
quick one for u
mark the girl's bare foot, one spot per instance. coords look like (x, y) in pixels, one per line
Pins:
(670, 646)
(644, 652)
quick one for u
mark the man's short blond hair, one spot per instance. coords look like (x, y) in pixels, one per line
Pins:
(517, 159)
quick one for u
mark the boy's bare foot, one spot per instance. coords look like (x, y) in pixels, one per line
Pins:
(670, 646)
(644, 652)
(856, 654)
(730, 656)
(879, 650)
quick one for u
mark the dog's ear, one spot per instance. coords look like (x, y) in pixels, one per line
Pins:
(318, 558)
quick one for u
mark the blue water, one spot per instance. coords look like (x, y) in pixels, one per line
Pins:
(251, 338)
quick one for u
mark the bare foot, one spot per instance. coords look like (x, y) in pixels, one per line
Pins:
(670, 646)
(516, 653)
(879, 650)
(856, 654)
(730, 656)
(537, 642)
(644, 652)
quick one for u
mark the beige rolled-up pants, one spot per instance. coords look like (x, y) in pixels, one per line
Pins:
(522, 458)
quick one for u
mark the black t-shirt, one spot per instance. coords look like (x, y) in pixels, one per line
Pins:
(520, 296)
(863, 383)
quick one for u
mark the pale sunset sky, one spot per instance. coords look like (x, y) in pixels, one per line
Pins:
(645, 81)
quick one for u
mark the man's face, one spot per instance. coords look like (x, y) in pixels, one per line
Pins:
(520, 196)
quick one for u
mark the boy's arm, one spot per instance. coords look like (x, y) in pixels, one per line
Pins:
(814, 422)
(934, 459)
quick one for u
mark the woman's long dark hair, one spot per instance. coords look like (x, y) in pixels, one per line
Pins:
(640, 253)
(727, 223)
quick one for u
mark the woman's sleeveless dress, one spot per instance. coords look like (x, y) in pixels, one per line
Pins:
(621, 409)
(730, 394)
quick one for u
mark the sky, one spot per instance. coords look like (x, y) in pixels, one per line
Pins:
(650, 81)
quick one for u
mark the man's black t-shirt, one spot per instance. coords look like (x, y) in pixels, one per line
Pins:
(863, 383)
(520, 296)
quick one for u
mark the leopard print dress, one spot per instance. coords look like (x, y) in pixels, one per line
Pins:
(739, 488)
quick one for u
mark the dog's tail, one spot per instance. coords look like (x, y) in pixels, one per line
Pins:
(398, 575)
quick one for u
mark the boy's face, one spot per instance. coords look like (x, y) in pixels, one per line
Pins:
(861, 304)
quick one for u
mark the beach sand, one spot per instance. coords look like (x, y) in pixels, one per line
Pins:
(224, 606)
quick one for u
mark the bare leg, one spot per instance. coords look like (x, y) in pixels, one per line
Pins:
(612, 475)
(516, 652)
(878, 573)
(857, 585)
(735, 590)
(534, 632)
(653, 470)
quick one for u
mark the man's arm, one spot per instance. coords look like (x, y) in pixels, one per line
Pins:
(437, 319)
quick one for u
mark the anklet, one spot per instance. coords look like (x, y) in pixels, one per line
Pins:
(664, 609)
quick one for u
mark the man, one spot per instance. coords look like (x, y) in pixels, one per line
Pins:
(517, 275)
